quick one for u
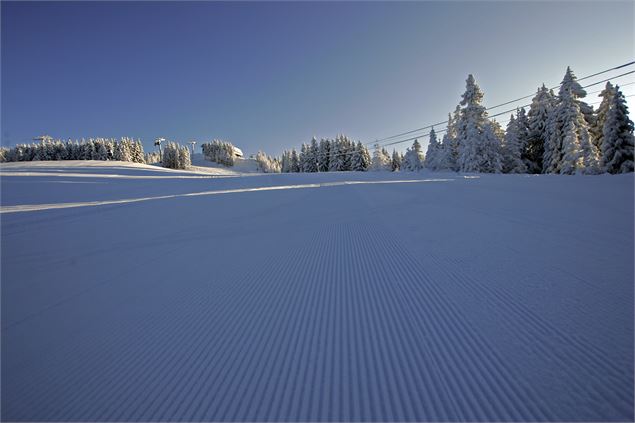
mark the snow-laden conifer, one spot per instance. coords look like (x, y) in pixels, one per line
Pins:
(381, 159)
(538, 116)
(395, 161)
(513, 147)
(597, 130)
(469, 127)
(433, 152)
(618, 142)
(413, 159)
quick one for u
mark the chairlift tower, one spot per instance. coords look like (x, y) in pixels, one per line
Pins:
(157, 142)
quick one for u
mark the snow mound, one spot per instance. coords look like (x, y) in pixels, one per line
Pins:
(241, 166)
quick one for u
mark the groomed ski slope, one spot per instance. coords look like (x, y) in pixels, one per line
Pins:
(407, 297)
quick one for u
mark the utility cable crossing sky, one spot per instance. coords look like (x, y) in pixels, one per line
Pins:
(380, 142)
(512, 101)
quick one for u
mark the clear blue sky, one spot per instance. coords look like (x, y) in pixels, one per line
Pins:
(271, 75)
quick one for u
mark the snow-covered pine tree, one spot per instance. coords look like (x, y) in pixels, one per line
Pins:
(130, 146)
(471, 123)
(453, 133)
(184, 158)
(571, 158)
(39, 153)
(175, 156)
(618, 142)
(570, 83)
(340, 154)
(552, 155)
(60, 150)
(110, 149)
(491, 159)
(304, 157)
(153, 157)
(395, 162)
(538, 117)
(88, 149)
(267, 164)
(333, 155)
(295, 161)
(444, 155)
(432, 154)
(413, 159)
(558, 129)
(100, 152)
(122, 151)
(597, 130)
(324, 152)
(221, 152)
(69, 147)
(380, 161)
(512, 148)
(170, 157)
(522, 120)
(357, 161)
(138, 156)
(360, 160)
(558, 124)
(365, 154)
(312, 156)
(590, 154)
(347, 152)
(579, 154)
(449, 151)
(285, 162)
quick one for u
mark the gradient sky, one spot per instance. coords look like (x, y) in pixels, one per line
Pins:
(271, 75)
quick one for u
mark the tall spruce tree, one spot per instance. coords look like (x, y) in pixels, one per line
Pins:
(513, 147)
(491, 158)
(295, 161)
(538, 116)
(569, 107)
(579, 154)
(470, 126)
(360, 160)
(413, 159)
(432, 154)
(597, 130)
(618, 142)
(381, 160)
(323, 155)
(395, 161)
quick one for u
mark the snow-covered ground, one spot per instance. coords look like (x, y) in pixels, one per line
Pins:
(171, 295)
(241, 166)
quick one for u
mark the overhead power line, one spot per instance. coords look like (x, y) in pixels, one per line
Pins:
(440, 131)
(510, 102)
(605, 71)
(621, 85)
(489, 108)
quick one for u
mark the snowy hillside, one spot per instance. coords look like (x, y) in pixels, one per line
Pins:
(131, 292)
(241, 165)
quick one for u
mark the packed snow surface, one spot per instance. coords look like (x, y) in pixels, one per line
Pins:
(133, 293)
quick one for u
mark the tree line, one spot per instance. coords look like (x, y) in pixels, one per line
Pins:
(125, 149)
(221, 152)
(559, 134)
